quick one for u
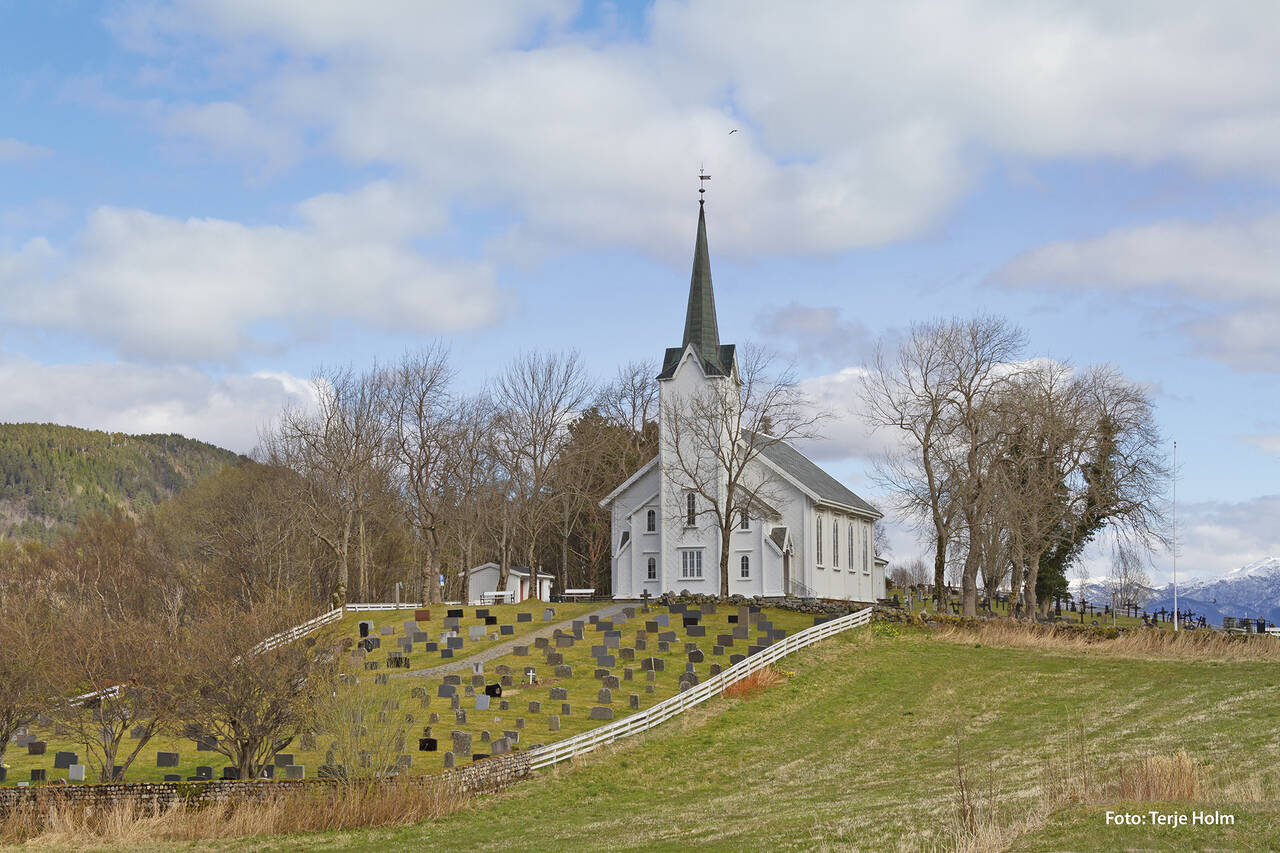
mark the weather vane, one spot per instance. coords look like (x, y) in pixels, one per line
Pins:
(702, 178)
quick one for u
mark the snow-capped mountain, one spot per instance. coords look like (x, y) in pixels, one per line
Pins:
(1251, 591)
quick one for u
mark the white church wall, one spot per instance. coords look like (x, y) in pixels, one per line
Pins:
(628, 515)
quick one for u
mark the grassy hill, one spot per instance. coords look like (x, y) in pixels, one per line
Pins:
(862, 747)
(51, 476)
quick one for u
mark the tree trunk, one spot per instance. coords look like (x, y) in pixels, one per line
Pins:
(1029, 585)
(726, 532)
(969, 585)
(940, 574)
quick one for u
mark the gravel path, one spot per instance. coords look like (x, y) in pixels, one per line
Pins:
(504, 648)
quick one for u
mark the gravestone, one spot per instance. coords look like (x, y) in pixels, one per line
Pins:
(482, 702)
(535, 706)
(38, 774)
(564, 671)
(204, 773)
(484, 736)
(295, 771)
(75, 773)
(283, 759)
(37, 747)
(558, 694)
(601, 713)
(612, 682)
(166, 759)
(628, 674)
(427, 744)
(506, 630)
(476, 632)
(565, 709)
(444, 691)
(634, 701)
(605, 696)
(548, 614)
(553, 723)
(524, 617)
(461, 742)
(448, 759)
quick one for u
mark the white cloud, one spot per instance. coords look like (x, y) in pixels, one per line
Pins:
(1265, 443)
(817, 334)
(15, 150)
(206, 290)
(860, 123)
(1217, 536)
(1226, 272)
(134, 398)
(845, 433)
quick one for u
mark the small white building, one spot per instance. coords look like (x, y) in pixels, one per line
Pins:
(484, 578)
(815, 538)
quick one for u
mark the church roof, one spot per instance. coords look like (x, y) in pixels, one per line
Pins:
(700, 328)
(827, 488)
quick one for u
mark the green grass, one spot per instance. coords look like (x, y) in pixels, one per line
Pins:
(413, 715)
(858, 751)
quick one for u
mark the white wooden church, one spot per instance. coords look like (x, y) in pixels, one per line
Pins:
(815, 537)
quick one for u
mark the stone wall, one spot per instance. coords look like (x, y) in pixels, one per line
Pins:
(491, 774)
(817, 606)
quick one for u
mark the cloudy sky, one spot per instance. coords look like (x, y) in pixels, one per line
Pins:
(204, 201)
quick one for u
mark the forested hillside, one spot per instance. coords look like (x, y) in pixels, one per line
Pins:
(51, 476)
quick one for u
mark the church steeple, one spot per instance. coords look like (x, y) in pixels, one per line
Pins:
(700, 318)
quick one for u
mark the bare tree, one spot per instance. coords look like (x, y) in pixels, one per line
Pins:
(119, 680)
(538, 397)
(471, 481)
(1129, 583)
(26, 679)
(420, 408)
(935, 389)
(340, 452)
(247, 701)
(713, 439)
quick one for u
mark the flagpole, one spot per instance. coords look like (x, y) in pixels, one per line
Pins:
(1175, 536)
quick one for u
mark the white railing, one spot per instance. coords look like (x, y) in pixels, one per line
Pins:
(554, 753)
(362, 608)
(297, 631)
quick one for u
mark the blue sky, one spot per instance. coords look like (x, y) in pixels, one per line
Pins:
(205, 201)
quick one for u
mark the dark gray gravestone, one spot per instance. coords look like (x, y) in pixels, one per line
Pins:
(633, 701)
(231, 773)
(444, 691)
(295, 771)
(524, 617)
(448, 759)
(564, 671)
(461, 742)
(535, 706)
(715, 669)
(283, 759)
(565, 709)
(37, 747)
(520, 651)
(63, 760)
(204, 772)
(428, 744)
(612, 682)
(695, 656)
(606, 661)
(507, 630)
(553, 723)
(605, 696)
(166, 759)
(601, 713)
(558, 694)
(38, 774)
(736, 658)
(628, 674)
(696, 630)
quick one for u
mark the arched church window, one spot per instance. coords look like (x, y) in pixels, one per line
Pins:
(835, 543)
(650, 521)
(653, 569)
(744, 523)
(690, 510)
(746, 566)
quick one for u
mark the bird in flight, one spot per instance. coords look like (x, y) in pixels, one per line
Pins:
(732, 132)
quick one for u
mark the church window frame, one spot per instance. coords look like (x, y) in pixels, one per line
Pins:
(853, 549)
(835, 544)
(744, 567)
(744, 521)
(866, 550)
(650, 521)
(691, 563)
(690, 510)
(817, 554)
(651, 572)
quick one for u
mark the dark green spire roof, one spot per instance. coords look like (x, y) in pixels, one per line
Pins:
(700, 319)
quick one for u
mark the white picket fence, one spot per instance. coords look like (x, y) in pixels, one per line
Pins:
(297, 631)
(546, 756)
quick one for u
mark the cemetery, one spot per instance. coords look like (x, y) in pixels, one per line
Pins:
(424, 690)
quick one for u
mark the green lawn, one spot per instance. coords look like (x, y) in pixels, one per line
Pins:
(391, 707)
(857, 751)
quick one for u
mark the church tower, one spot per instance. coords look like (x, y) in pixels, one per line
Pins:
(701, 365)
